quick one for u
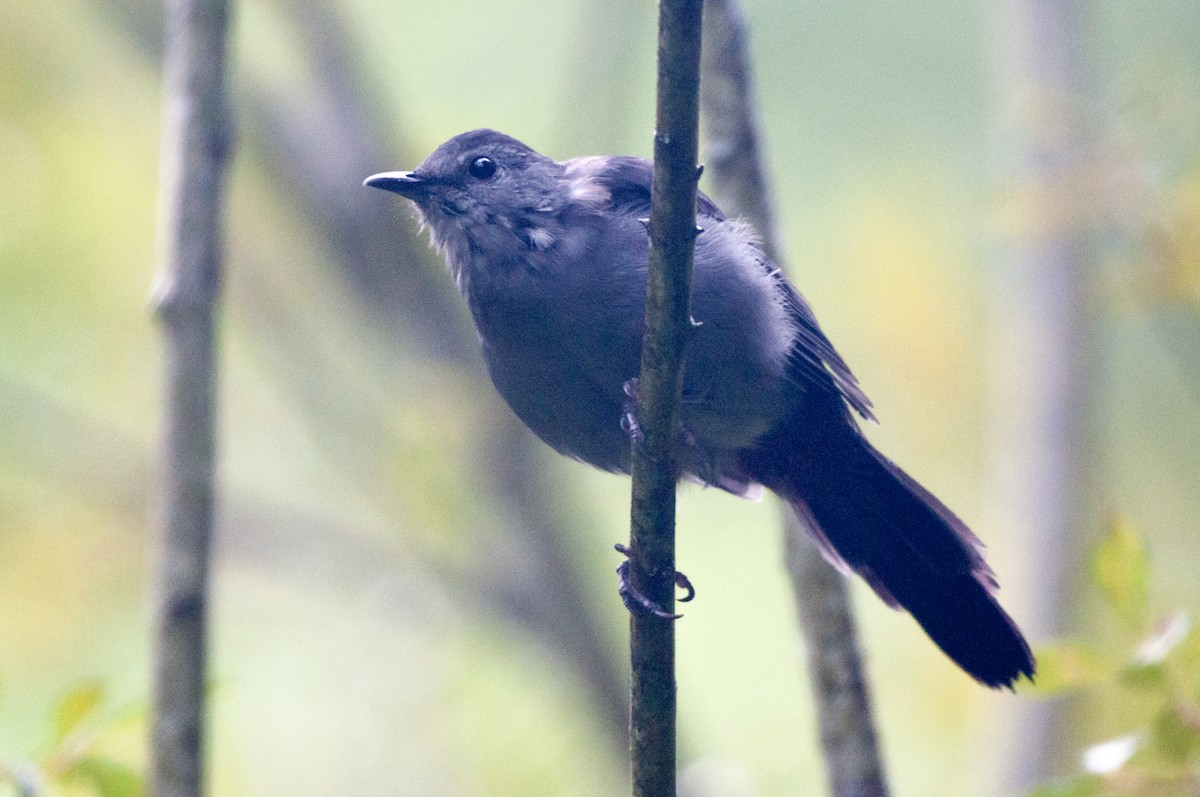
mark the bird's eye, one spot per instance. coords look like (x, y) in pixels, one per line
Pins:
(482, 168)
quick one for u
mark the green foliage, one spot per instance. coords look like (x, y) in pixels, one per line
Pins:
(1121, 569)
(1085, 786)
(76, 707)
(1067, 665)
(105, 777)
(73, 760)
(1157, 664)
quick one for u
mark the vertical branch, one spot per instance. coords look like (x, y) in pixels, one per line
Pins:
(853, 764)
(730, 120)
(655, 469)
(1041, 334)
(186, 287)
(852, 760)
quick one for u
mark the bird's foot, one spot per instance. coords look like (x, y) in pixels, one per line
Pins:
(639, 604)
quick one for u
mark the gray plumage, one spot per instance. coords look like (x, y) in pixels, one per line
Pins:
(552, 258)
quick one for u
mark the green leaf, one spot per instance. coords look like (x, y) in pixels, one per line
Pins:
(76, 706)
(1177, 732)
(1188, 652)
(1082, 786)
(1064, 666)
(107, 777)
(1121, 569)
(1145, 677)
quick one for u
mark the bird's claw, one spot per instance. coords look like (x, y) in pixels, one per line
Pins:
(684, 583)
(639, 604)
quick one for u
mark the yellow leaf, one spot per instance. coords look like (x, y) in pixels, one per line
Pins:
(76, 706)
(1121, 569)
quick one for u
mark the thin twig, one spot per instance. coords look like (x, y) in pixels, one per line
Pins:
(655, 469)
(852, 760)
(308, 150)
(196, 143)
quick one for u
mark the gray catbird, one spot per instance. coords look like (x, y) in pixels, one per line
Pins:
(552, 260)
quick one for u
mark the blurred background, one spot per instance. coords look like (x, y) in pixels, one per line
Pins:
(413, 596)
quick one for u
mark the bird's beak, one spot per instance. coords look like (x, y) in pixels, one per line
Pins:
(406, 184)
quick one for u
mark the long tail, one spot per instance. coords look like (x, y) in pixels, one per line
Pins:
(870, 516)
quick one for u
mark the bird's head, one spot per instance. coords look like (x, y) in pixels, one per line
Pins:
(482, 192)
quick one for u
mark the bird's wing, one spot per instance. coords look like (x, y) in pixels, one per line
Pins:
(815, 362)
(627, 182)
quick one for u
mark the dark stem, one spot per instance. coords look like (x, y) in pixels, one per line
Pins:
(848, 742)
(196, 143)
(668, 323)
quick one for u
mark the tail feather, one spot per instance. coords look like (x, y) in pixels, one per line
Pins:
(871, 517)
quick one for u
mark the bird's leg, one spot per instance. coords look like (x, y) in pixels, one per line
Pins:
(636, 602)
(687, 440)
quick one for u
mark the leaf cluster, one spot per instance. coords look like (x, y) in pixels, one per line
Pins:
(1152, 659)
(73, 761)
